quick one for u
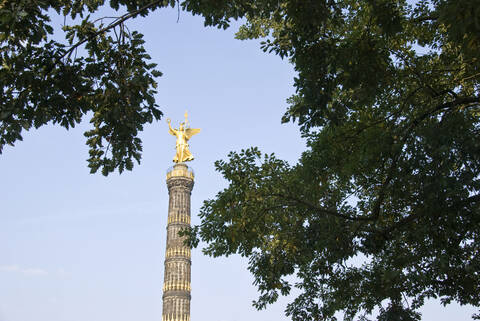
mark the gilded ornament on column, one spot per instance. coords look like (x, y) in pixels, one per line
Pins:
(183, 134)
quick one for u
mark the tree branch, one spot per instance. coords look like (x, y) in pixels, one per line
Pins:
(425, 18)
(410, 218)
(117, 22)
(447, 105)
(323, 210)
(381, 194)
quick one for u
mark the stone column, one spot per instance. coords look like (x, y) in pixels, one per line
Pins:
(176, 284)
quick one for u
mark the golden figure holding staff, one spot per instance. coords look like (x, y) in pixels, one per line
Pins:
(183, 134)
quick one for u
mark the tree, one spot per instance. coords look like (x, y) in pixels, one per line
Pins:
(382, 209)
(100, 70)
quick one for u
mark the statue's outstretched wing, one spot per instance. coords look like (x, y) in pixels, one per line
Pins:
(189, 132)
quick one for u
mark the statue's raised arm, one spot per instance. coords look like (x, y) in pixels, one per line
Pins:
(171, 131)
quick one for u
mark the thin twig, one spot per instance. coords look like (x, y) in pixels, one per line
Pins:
(110, 26)
(178, 10)
(106, 17)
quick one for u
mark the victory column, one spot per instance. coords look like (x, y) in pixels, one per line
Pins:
(177, 276)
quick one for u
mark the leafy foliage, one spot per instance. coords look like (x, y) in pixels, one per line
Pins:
(100, 70)
(382, 209)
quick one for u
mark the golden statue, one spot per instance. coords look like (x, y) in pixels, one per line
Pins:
(183, 134)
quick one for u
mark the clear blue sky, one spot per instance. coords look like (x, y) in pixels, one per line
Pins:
(76, 246)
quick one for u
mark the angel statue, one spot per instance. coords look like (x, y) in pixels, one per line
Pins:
(183, 134)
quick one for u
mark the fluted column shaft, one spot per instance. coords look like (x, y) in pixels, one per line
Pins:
(177, 276)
